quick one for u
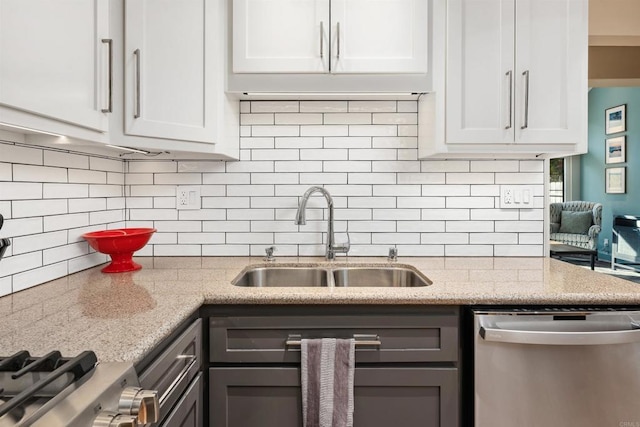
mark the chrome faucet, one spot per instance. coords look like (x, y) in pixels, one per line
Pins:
(332, 249)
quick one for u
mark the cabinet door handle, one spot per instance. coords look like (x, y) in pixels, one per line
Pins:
(338, 40)
(109, 108)
(510, 74)
(322, 39)
(526, 100)
(137, 111)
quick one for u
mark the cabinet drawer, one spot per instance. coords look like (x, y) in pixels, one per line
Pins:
(431, 337)
(172, 371)
(188, 412)
(382, 397)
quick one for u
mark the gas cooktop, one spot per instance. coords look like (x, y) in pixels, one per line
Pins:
(56, 391)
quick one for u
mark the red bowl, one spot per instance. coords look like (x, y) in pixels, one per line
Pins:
(119, 244)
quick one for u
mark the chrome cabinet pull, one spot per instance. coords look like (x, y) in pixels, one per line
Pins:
(322, 39)
(109, 108)
(526, 100)
(295, 340)
(191, 361)
(510, 74)
(137, 112)
(338, 40)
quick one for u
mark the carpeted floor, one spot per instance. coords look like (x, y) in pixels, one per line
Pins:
(605, 267)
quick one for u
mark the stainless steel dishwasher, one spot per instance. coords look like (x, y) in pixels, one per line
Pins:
(557, 367)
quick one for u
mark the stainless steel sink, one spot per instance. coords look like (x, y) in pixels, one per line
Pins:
(391, 277)
(352, 276)
(282, 277)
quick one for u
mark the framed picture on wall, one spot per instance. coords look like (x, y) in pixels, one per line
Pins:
(615, 119)
(615, 181)
(615, 150)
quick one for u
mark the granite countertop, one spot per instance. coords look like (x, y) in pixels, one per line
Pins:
(123, 316)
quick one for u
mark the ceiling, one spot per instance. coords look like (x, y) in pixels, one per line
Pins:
(614, 43)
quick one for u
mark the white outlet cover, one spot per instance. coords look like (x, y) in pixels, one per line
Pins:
(517, 196)
(187, 197)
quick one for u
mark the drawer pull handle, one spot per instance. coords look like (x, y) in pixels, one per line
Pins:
(295, 340)
(183, 373)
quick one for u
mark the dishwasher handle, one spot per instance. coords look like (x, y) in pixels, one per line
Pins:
(560, 338)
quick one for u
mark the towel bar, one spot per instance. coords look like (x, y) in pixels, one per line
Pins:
(361, 340)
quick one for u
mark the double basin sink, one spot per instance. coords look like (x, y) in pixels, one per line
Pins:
(393, 276)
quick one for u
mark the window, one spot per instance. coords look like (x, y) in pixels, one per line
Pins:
(556, 180)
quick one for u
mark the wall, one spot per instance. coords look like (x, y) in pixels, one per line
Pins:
(363, 152)
(592, 164)
(49, 198)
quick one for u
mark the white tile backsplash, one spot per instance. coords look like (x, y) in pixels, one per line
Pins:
(65, 191)
(12, 153)
(363, 152)
(20, 190)
(65, 160)
(49, 198)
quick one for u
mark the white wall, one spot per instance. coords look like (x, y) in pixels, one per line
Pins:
(363, 152)
(49, 199)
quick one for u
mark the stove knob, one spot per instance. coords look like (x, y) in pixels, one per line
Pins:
(141, 403)
(111, 419)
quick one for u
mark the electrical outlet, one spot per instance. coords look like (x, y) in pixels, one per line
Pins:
(516, 196)
(188, 197)
(606, 243)
(508, 196)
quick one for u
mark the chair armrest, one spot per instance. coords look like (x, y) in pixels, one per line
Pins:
(555, 227)
(594, 230)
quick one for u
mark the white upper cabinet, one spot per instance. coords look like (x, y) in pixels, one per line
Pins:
(170, 63)
(551, 71)
(514, 79)
(54, 62)
(480, 68)
(330, 46)
(337, 36)
(381, 36)
(281, 36)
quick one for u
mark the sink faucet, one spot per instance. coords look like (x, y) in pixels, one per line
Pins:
(332, 249)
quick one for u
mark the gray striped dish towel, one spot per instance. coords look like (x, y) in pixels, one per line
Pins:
(327, 382)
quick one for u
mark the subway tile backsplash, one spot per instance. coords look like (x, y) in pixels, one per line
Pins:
(363, 152)
(49, 198)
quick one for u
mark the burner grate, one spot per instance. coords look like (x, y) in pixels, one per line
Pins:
(53, 364)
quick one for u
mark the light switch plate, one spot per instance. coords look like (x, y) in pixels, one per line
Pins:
(516, 196)
(187, 197)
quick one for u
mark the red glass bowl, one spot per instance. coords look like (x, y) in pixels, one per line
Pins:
(119, 244)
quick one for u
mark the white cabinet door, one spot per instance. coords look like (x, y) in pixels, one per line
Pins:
(280, 36)
(379, 36)
(53, 62)
(480, 72)
(551, 54)
(170, 61)
(516, 71)
(360, 36)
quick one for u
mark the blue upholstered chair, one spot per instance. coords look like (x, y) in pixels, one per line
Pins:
(576, 223)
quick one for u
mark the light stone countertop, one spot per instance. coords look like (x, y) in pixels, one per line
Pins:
(123, 316)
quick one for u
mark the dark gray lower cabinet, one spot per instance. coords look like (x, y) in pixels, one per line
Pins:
(384, 396)
(188, 411)
(408, 377)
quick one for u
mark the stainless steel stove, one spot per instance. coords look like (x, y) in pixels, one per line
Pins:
(56, 391)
